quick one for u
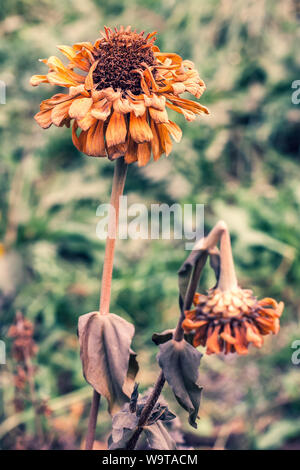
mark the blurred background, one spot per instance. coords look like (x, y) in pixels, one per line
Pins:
(242, 162)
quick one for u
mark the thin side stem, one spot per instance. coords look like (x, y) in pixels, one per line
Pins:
(153, 397)
(192, 287)
(90, 436)
(118, 183)
(228, 278)
(208, 243)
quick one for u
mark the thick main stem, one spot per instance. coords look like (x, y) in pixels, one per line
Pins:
(116, 193)
(119, 178)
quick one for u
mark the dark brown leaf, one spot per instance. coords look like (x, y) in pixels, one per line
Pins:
(108, 363)
(180, 363)
(160, 338)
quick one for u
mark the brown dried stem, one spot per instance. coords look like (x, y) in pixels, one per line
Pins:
(90, 435)
(218, 233)
(147, 410)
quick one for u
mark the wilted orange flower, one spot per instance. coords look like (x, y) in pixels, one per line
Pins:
(119, 95)
(228, 321)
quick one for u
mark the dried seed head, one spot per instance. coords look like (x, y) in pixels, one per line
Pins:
(226, 304)
(121, 54)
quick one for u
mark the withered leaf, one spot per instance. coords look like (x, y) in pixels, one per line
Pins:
(214, 261)
(180, 363)
(160, 338)
(155, 437)
(108, 363)
(122, 422)
(134, 398)
(158, 438)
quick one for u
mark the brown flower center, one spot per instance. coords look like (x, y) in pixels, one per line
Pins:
(119, 58)
(227, 304)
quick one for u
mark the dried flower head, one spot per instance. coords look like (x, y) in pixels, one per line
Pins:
(119, 95)
(228, 319)
(23, 344)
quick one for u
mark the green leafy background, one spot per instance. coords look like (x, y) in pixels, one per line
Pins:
(242, 162)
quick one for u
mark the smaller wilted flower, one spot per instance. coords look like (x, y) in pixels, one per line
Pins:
(231, 320)
(228, 319)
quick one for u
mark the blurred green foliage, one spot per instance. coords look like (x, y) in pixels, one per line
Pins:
(242, 162)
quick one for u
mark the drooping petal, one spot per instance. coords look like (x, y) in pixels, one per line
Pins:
(158, 116)
(101, 110)
(37, 79)
(139, 128)
(212, 342)
(75, 138)
(138, 108)
(54, 100)
(89, 83)
(143, 153)
(253, 336)
(227, 335)
(116, 130)
(95, 145)
(76, 60)
(131, 153)
(174, 130)
(122, 105)
(87, 121)
(155, 142)
(60, 112)
(155, 101)
(80, 107)
(116, 151)
(61, 79)
(43, 118)
(164, 138)
(178, 88)
(241, 342)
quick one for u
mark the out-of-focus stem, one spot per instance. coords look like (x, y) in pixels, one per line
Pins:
(37, 418)
(90, 436)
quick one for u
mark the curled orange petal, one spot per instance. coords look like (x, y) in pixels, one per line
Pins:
(139, 128)
(213, 343)
(116, 130)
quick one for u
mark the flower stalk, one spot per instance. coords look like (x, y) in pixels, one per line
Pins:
(119, 178)
(117, 191)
